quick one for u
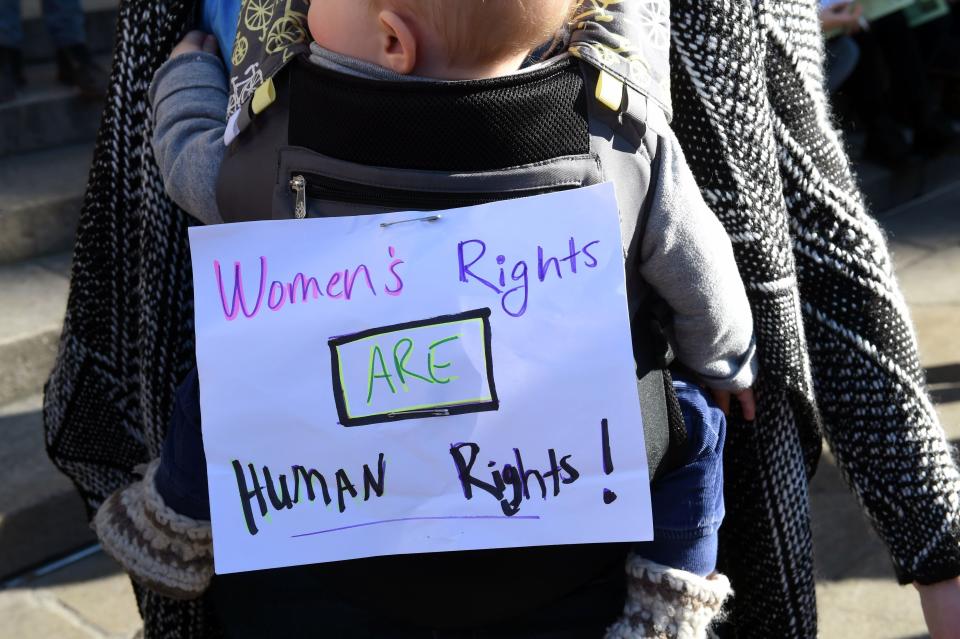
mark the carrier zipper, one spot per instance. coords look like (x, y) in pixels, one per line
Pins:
(331, 189)
(299, 184)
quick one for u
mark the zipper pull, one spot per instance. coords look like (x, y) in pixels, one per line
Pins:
(299, 186)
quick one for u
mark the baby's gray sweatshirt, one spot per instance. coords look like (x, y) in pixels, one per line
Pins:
(685, 253)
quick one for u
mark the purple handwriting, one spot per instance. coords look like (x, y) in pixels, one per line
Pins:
(274, 295)
(515, 295)
(424, 518)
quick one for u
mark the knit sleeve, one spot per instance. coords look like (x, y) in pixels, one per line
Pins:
(877, 416)
(836, 349)
(835, 342)
(869, 386)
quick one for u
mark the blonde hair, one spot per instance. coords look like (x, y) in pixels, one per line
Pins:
(483, 31)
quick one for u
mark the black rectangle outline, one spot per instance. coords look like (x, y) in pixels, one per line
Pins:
(482, 314)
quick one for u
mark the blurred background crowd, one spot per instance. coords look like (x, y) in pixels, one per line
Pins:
(65, 27)
(893, 69)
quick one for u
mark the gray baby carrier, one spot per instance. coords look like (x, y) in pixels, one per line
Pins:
(314, 142)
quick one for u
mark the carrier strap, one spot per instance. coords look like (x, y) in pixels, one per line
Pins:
(630, 114)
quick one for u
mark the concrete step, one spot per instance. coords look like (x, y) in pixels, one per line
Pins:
(34, 8)
(100, 27)
(40, 198)
(41, 514)
(47, 114)
(33, 296)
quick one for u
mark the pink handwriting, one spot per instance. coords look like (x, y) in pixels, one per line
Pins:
(340, 285)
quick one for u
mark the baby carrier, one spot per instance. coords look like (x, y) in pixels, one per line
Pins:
(308, 141)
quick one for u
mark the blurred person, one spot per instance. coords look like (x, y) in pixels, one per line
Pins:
(885, 141)
(890, 89)
(938, 39)
(940, 44)
(65, 24)
(841, 53)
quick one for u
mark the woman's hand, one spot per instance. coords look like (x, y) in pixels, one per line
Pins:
(194, 42)
(844, 16)
(941, 608)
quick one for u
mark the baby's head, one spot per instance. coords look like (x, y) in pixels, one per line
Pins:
(445, 39)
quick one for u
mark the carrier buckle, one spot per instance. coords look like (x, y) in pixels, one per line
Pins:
(609, 91)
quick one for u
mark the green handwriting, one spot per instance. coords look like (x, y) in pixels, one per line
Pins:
(403, 349)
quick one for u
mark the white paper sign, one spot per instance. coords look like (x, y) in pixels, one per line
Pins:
(383, 384)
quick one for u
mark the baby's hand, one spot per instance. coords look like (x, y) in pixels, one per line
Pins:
(193, 42)
(748, 405)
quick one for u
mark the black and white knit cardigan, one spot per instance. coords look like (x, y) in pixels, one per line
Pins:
(838, 355)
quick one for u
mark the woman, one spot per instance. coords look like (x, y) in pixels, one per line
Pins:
(749, 101)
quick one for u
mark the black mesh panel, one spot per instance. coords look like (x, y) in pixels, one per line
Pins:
(452, 126)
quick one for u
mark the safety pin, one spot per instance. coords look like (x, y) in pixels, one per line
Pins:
(429, 218)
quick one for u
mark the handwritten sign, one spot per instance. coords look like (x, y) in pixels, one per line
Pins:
(403, 383)
(395, 390)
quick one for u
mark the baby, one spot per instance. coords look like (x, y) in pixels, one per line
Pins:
(424, 38)
(685, 255)
(470, 41)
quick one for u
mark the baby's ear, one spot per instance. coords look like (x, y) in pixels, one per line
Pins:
(398, 46)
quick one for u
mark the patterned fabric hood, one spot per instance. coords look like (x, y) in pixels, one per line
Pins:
(269, 34)
(629, 39)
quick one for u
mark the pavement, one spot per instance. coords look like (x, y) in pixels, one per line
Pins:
(87, 599)
(86, 596)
